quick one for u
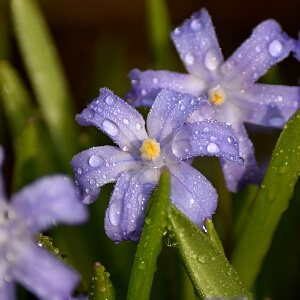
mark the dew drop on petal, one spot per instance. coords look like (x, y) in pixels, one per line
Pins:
(155, 80)
(92, 181)
(196, 25)
(110, 100)
(126, 121)
(276, 48)
(138, 126)
(113, 213)
(189, 58)
(257, 49)
(231, 139)
(95, 160)
(213, 148)
(182, 107)
(205, 129)
(211, 61)
(110, 128)
(88, 113)
(177, 31)
(79, 170)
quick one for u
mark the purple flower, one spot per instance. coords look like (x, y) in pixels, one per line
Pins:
(35, 208)
(234, 97)
(297, 47)
(135, 166)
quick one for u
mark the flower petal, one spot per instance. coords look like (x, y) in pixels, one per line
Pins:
(269, 105)
(124, 217)
(47, 201)
(198, 46)
(266, 46)
(100, 165)
(42, 273)
(7, 290)
(192, 193)
(206, 138)
(116, 118)
(169, 111)
(237, 176)
(146, 85)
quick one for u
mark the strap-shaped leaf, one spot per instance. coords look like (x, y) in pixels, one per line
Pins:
(151, 241)
(45, 73)
(207, 267)
(272, 200)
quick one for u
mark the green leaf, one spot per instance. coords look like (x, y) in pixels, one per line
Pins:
(16, 100)
(158, 25)
(101, 286)
(273, 199)
(207, 267)
(213, 235)
(45, 73)
(151, 241)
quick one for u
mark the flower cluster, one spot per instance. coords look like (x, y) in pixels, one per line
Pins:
(230, 85)
(195, 114)
(35, 208)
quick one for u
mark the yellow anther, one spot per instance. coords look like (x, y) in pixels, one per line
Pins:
(216, 96)
(150, 149)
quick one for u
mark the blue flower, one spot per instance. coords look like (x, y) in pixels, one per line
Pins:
(234, 97)
(35, 208)
(136, 165)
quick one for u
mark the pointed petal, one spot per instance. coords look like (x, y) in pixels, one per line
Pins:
(146, 85)
(42, 273)
(169, 111)
(100, 165)
(124, 217)
(198, 46)
(266, 46)
(206, 138)
(120, 121)
(238, 176)
(269, 105)
(192, 193)
(7, 290)
(47, 201)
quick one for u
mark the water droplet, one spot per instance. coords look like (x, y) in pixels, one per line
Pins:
(257, 49)
(142, 265)
(213, 148)
(138, 126)
(110, 100)
(79, 170)
(229, 271)
(189, 58)
(201, 258)
(211, 61)
(182, 107)
(196, 132)
(177, 31)
(144, 92)
(114, 213)
(88, 113)
(280, 98)
(92, 181)
(196, 25)
(126, 121)
(263, 186)
(283, 168)
(240, 160)
(213, 138)
(155, 80)
(255, 76)
(276, 48)
(205, 129)
(95, 160)
(148, 220)
(110, 128)
(231, 139)
(276, 121)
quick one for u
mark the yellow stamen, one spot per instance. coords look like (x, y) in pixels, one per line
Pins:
(216, 96)
(150, 149)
